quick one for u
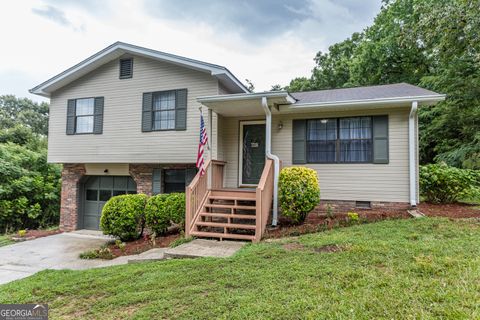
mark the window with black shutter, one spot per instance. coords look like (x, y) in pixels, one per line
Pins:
(126, 68)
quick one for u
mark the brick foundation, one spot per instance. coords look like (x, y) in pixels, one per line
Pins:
(346, 205)
(70, 196)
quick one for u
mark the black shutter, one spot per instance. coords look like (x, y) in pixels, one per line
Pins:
(181, 109)
(380, 139)
(157, 181)
(71, 116)
(299, 143)
(98, 116)
(147, 112)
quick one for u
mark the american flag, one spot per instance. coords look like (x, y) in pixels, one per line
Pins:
(201, 146)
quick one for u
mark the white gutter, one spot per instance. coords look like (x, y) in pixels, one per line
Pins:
(276, 160)
(394, 100)
(412, 163)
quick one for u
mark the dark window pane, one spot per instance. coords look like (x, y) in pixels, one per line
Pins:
(174, 187)
(92, 195)
(105, 195)
(356, 139)
(131, 192)
(118, 192)
(131, 184)
(321, 140)
(174, 180)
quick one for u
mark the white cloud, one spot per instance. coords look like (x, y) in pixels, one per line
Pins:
(42, 39)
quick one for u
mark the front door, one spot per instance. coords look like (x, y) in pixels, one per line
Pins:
(252, 152)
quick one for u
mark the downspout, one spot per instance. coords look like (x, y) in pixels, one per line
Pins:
(276, 160)
(411, 154)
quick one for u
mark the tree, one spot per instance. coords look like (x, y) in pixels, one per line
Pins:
(276, 87)
(29, 186)
(22, 111)
(430, 43)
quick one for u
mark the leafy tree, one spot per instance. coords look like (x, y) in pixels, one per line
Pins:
(276, 87)
(430, 43)
(29, 186)
(22, 111)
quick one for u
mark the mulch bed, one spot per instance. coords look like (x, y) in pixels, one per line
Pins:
(142, 245)
(34, 234)
(319, 221)
(454, 210)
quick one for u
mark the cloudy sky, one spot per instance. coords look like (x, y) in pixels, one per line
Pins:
(266, 41)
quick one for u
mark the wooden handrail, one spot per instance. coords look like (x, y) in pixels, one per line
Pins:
(264, 198)
(198, 190)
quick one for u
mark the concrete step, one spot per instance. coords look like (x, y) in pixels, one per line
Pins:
(200, 248)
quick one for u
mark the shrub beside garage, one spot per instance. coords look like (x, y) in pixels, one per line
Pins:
(126, 216)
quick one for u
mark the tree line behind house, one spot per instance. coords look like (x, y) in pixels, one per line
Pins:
(430, 43)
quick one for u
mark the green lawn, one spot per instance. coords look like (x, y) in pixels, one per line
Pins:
(409, 269)
(4, 240)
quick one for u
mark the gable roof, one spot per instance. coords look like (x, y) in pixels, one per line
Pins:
(350, 95)
(114, 51)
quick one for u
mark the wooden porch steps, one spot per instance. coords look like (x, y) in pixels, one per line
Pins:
(222, 235)
(226, 225)
(227, 214)
(226, 206)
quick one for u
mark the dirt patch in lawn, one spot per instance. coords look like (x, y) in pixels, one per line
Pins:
(142, 245)
(454, 210)
(321, 221)
(293, 246)
(328, 248)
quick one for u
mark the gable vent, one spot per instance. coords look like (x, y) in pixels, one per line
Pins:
(126, 68)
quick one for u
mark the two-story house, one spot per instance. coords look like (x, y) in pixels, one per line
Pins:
(127, 120)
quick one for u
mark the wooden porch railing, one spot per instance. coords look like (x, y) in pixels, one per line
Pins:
(197, 191)
(264, 198)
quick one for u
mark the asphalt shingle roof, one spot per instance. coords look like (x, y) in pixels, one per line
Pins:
(397, 90)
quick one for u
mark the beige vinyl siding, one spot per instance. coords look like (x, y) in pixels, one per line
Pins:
(368, 182)
(122, 140)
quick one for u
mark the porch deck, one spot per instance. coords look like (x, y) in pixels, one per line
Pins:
(213, 211)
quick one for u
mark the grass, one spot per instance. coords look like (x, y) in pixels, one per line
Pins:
(410, 269)
(5, 240)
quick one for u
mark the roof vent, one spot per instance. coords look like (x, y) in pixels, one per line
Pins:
(126, 68)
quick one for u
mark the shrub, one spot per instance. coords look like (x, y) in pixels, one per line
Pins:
(164, 209)
(124, 216)
(440, 183)
(299, 192)
(353, 217)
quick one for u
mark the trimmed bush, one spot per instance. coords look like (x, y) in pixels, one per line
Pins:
(299, 192)
(164, 209)
(124, 216)
(440, 183)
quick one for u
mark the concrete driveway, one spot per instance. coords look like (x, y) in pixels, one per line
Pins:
(58, 251)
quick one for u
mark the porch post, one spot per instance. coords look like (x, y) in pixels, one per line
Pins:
(210, 147)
